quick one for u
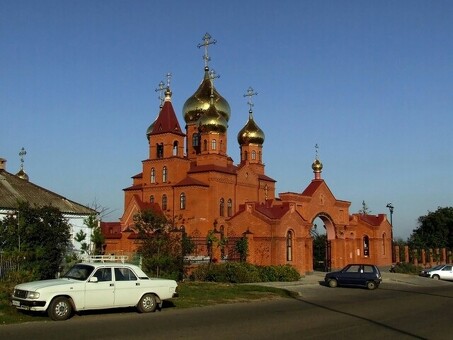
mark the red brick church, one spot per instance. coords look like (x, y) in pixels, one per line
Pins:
(189, 174)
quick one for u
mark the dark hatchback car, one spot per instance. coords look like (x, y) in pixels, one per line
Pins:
(364, 275)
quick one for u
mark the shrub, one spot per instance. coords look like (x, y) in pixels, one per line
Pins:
(241, 272)
(407, 268)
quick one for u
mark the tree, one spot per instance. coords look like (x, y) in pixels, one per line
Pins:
(97, 239)
(365, 210)
(435, 230)
(242, 248)
(40, 235)
(162, 250)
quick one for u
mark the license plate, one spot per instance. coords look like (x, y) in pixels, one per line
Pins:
(16, 303)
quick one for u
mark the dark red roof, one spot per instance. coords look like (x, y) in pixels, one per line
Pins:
(268, 210)
(372, 219)
(167, 122)
(189, 181)
(133, 187)
(312, 187)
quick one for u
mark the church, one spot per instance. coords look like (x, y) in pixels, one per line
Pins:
(190, 176)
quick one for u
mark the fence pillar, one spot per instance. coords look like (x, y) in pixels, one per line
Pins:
(431, 257)
(424, 257)
(397, 254)
(449, 256)
(415, 254)
(406, 254)
(444, 256)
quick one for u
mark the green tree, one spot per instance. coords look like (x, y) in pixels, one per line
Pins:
(435, 230)
(242, 248)
(161, 249)
(97, 239)
(40, 235)
(365, 209)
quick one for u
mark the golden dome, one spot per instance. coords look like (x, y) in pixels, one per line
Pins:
(317, 165)
(22, 174)
(212, 121)
(250, 133)
(199, 103)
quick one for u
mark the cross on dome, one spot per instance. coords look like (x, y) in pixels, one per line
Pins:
(250, 93)
(207, 40)
(22, 153)
(161, 89)
(316, 150)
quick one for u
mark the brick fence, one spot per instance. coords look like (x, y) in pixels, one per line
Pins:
(426, 258)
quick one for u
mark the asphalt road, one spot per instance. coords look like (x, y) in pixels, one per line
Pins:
(402, 307)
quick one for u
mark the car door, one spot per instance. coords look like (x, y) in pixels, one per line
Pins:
(100, 294)
(350, 275)
(127, 287)
(446, 273)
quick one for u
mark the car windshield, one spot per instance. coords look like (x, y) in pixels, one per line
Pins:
(79, 272)
(437, 267)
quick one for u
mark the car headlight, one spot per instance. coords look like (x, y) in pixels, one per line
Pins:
(33, 295)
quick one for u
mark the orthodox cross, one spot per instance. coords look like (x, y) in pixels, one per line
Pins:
(207, 40)
(212, 76)
(316, 150)
(168, 75)
(160, 89)
(250, 93)
(22, 153)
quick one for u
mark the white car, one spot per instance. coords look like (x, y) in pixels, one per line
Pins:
(89, 286)
(442, 272)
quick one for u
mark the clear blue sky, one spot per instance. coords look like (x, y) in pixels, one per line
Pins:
(369, 81)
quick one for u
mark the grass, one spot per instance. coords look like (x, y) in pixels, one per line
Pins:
(191, 294)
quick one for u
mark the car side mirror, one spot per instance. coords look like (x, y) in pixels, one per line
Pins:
(93, 279)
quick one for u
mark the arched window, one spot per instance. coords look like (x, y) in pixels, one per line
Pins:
(383, 244)
(253, 155)
(151, 199)
(213, 144)
(246, 155)
(160, 150)
(222, 207)
(153, 175)
(164, 174)
(164, 202)
(175, 148)
(195, 139)
(221, 145)
(289, 246)
(182, 201)
(259, 156)
(230, 208)
(205, 145)
(366, 246)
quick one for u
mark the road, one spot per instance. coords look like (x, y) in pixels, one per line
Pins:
(402, 309)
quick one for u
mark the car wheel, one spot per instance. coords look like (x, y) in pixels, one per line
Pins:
(147, 303)
(436, 277)
(59, 309)
(371, 285)
(333, 283)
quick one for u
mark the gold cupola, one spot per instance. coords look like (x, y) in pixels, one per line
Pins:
(250, 133)
(317, 165)
(200, 102)
(212, 121)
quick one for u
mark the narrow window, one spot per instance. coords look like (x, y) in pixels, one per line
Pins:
(175, 148)
(153, 175)
(289, 246)
(151, 199)
(222, 207)
(182, 201)
(205, 145)
(164, 202)
(253, 155)
(230, 208)
(259, 156)
(213, 145)
(160, 150)
(366, 246)
(246, 155)
(195, 139)
(164, 174)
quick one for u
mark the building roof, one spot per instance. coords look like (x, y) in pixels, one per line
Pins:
(166, 122)
(13, 190)
(189, 181)
(374, 220)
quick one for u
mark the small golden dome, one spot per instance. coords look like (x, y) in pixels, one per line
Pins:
(199, 103)
(21, 174)
(317, 166)
(212, 121)
(250, 133)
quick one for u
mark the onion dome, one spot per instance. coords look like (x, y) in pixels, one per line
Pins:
(199, 103)
(317, 165)
(149, 130)
(250, 133)
(22, 174)
(212, 121)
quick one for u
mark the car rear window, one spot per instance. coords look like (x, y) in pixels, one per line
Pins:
(368, 269)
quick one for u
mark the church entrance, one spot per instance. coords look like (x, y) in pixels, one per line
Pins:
(322, 245)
